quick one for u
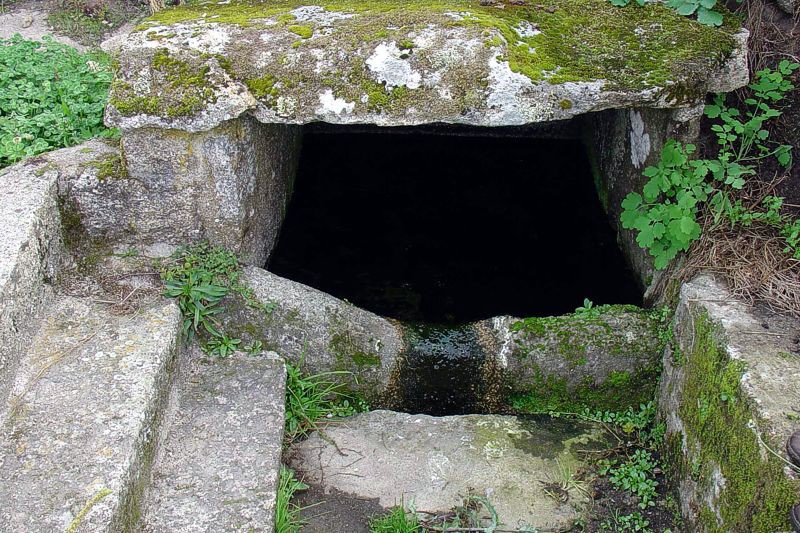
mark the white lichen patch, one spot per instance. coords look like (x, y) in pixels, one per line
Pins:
(332, 104)
(504, 94)
(390, 68)
(319, 15)
(640, 140)
(526, 29)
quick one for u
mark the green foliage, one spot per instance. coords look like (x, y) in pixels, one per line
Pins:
(633, 522)
(223, 346)
(396, 520)
(665, 215)
(51, 96)
(200, 277)
(312, 398)
(287, 514)
(704, 9)
(635, 475)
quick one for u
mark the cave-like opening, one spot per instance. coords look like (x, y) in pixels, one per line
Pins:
(450, 228)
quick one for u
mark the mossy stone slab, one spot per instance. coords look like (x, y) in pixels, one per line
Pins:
(435, 461)
(395, 62)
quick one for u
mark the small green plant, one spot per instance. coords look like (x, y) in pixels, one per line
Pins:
(222, 346)
(199, 278)
(316, 397)
(635, 475)
(665, 215)
(620, 523)
(51, 96)
(704, 9)
(287, 514)
(396, 520)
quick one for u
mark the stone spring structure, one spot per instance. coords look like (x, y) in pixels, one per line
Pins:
(111, 425)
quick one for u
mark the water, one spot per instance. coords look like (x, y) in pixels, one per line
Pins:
(442, 371)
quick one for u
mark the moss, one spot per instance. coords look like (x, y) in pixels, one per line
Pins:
(617, 393)
(188, 88)
(717, 416)
(263, 86)
(565, 104)
(634, 47)
(303, 31)
(344, 348)
(110, 167)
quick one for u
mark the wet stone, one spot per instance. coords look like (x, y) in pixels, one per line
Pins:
(435, 461)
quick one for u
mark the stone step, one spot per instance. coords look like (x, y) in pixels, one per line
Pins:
(78, 430)
(526, 467)
(219, 466)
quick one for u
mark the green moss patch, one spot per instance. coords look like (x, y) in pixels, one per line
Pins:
(184, 88)
(579, 40)
(757, 495)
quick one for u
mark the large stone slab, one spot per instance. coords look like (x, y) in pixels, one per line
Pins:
(31, 255)
(318, 331)
(79, 429)
(730, 396)
(218, 468)
(607, 357)
(397, 457)
(230, 186)
(401, 63)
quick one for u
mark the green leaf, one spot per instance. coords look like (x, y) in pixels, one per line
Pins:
(687, 8)
(709, 17)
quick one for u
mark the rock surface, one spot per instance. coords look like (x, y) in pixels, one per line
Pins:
(318, 331)
(31, 256)
(401, 458)
(607, 357)
(218, 467)
(730, 398)
(401, 63)
(79, 428)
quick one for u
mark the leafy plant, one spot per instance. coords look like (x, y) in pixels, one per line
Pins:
(51, 96)
(665, 215)
(198, 300)
(311, 398)
(222, 346)
(633, 522)
(635, 475)
(704, 9)
(200, 277)
(287, 514)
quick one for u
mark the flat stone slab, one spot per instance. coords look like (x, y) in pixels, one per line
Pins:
(433, 461)
(79, 426)
(219, 466)
(318, 331)
(395, 63)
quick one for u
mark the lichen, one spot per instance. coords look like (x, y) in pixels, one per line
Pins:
(183, 88)
(718, 422)
(578, 40)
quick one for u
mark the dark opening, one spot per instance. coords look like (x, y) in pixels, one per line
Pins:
(450, 229)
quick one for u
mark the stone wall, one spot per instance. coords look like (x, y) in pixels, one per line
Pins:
(229, 185)
(730, 398)
(621, 143)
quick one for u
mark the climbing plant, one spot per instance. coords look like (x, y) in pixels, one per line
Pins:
(665, 214)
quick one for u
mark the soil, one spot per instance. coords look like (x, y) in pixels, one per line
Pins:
(79, 28)
(610, 503)
(336, 512)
